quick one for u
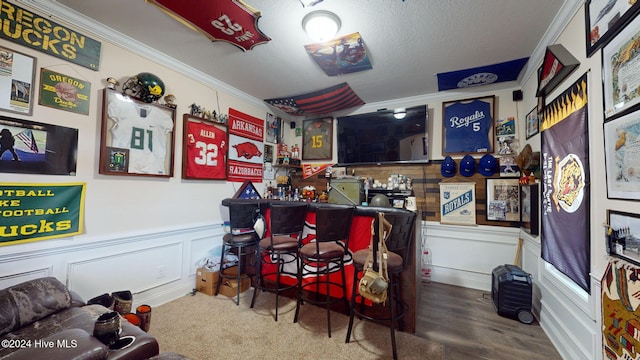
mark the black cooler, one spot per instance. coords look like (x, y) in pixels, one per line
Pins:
(511, 292)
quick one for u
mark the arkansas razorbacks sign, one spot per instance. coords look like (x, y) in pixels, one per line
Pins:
(246, 159)
(231, 21)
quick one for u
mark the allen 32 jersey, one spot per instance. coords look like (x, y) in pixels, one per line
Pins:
(206, 151)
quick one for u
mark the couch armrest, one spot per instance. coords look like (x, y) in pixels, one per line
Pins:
(71, 344)
(76, 299)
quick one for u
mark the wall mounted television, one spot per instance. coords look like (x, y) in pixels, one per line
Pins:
(379, 138)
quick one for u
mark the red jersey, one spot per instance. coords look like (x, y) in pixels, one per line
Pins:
(206, 151)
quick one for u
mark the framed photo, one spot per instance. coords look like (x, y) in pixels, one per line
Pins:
(557, 64)
(605, 19)
(274, 126)
(623, 238)
(622, 157)
(468, 126)
(317, 139)
(64, 92)
(532, 122)
(17, 79)
(529, 208)
(137, 138)
(204, 149)
(503, 199)
(619, 72)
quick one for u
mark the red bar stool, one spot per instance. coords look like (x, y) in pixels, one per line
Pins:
(280, 249)
(399, 245)
(242, 241)
(323, 256)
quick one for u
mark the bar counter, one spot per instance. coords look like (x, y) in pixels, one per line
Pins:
(360, 236)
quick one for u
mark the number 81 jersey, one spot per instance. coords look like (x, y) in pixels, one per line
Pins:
(206, 151)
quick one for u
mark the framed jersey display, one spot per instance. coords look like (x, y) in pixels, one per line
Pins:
(204, 149)
(468, 126)
(317, 139)
(137, 138)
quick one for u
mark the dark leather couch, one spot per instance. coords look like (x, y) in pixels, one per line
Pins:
(42, 319)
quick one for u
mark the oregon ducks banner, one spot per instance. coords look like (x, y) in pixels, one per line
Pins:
(31, 212)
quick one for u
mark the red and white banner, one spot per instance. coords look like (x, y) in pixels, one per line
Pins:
(246, 146)
(308, 170)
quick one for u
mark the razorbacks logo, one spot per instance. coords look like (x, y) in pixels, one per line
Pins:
(247, 150)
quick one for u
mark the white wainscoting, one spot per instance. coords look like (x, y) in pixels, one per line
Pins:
(156, 267)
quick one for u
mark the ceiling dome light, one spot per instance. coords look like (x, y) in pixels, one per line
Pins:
(321, 25)
(400, 113)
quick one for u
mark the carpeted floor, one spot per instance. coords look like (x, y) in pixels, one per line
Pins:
(203, 327)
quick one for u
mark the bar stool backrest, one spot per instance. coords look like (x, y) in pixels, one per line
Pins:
(333, 223)
(399, 241)
(288, 219)
(242, 216)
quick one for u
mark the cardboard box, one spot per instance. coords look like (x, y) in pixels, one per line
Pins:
(206, 281)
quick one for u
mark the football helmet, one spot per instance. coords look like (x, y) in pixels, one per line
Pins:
(144, 86)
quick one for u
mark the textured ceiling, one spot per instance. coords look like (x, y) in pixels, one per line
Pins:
(408, 41)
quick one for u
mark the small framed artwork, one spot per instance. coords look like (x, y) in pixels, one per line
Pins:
(605, 19)
(622, 158)
(503, 199)
(204, 149)
(64, 92)
(557, 64)
(529, 208)
(468, 126)
(137, 138)
(532, 122)
(623, 236)
(272, 131)
(17, 81)
(317, 139)
(619, 70)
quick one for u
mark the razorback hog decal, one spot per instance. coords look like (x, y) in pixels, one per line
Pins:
(247, 150)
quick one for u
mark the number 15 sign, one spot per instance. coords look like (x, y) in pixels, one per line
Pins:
(317, 139)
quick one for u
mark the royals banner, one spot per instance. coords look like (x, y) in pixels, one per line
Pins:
(565, 184)
(32, 212)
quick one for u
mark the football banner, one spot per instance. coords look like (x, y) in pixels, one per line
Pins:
(565, 183)
(246, 160)
(335, 98)
(32, 212)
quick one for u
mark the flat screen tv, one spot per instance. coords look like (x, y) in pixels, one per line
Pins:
(380, 138)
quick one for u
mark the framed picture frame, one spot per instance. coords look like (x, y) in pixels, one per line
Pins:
(468, 126)
(503, 199)
(620, 86)
(557, 64)
(622, 237)
(317, 139)
(205, 148)
(529, 208)
(605, 19)
(622, 160)
(17, 81)
(137, 138)
(64, 92)
(532, 123)
(458, 202)
(273, 128)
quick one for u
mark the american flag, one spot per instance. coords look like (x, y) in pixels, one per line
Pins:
(335, 98)
(27, 138)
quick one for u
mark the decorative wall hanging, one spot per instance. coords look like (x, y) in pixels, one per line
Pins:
(326, 101)
(605, 19)
(317, 139)
(204, 149)
(64, 92)
(557, 64)
(566, 183)
(137, 138)
(468, 126)
(344, 55)
(458, 203)
(17, 79)
(30, 147)
(503, 199)
(622, 157)
(483, 75)
(31, 30)
(246, 134)
(231, 21)
(620, 61)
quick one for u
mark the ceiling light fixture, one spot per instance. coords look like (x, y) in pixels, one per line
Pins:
(400, 113)
(321, 25)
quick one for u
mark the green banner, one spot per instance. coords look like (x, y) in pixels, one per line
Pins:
(37, 32)
(32, 212)
(64, 92)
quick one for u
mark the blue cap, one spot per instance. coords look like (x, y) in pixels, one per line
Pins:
(488, 165)
(448, 167)
(467, 165)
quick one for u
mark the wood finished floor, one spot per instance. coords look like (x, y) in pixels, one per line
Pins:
(465, 321)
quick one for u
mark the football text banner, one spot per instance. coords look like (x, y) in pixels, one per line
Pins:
(565, 184)
(32, 212)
